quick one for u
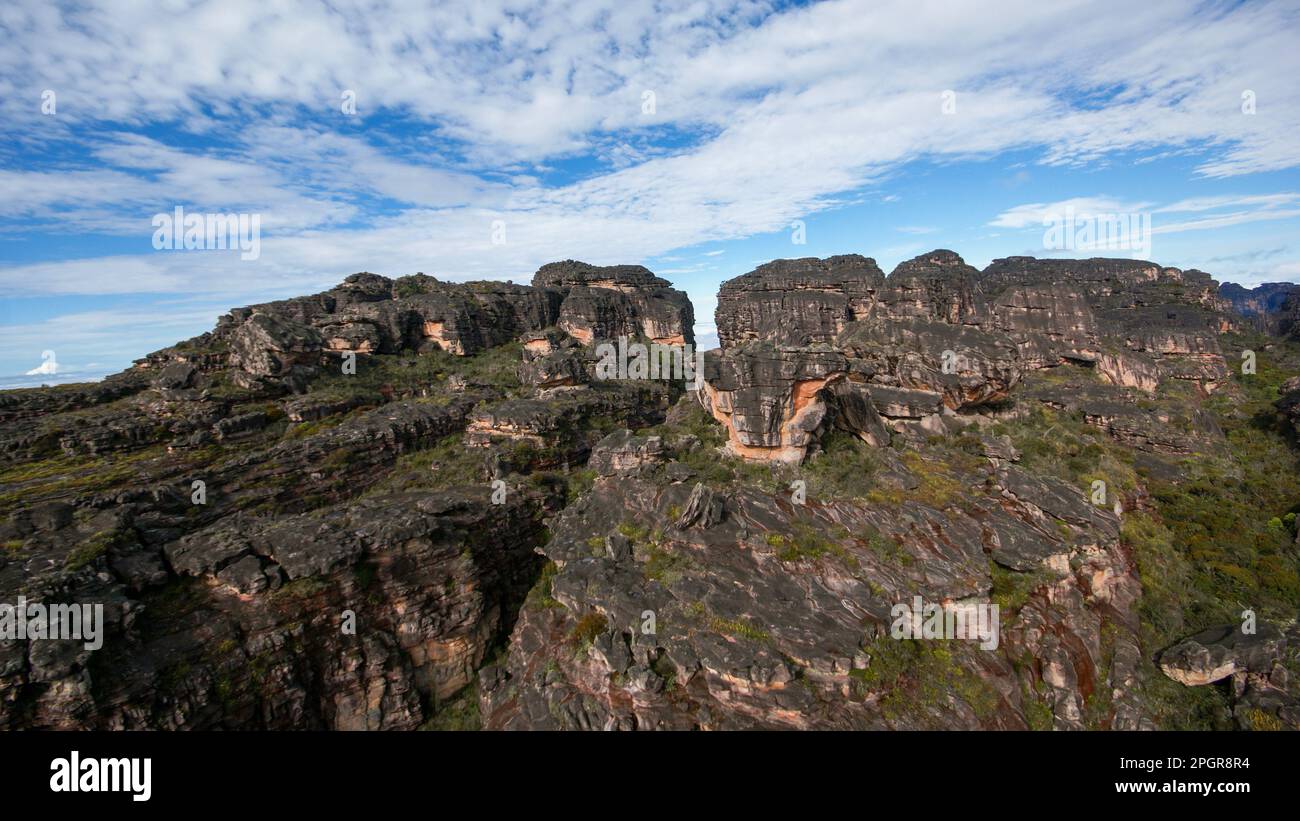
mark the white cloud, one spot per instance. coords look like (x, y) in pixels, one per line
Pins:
(762, 116)
(48, 367)
(82, 340)
(1252, 208)
(1230, 200)
(1037, 214)
(1226, 220)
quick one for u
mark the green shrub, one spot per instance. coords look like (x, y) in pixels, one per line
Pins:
(738, 627)
(588, 628)
(843, 468)
(97, 545)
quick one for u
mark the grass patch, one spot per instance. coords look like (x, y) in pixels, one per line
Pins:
(664, 566)
(806, 544)
(886, 549)
(738, 627)
(588, 628)
(94, 547)
(1059, 444)
(303, 588)
(540, 594)
(1011, 590)
(843, 468)
(457, 714)
(917, 678)
(425, 373)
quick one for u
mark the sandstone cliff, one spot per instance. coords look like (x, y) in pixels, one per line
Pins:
(408, 503)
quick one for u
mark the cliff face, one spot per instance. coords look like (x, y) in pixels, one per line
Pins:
(1265, 307)
(799, 301)
(291, 520)
(941, 340)
(405, 503)
(1288, 316)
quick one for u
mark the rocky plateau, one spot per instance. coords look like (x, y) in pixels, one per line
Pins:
(408, 503)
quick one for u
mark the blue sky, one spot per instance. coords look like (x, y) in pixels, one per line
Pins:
(886, 129)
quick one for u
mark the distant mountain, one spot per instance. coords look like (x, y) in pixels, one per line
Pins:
(1269, 306)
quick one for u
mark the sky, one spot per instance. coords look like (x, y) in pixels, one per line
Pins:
(480, 140)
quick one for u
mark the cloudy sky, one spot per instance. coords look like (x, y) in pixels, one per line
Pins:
(481, 139)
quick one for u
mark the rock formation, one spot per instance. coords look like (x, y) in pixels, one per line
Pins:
(408, 503)
(797, 301)
(939, 328)
(1266, 307)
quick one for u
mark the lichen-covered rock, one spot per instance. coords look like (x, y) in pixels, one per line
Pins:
(269, 345)
(622, 452)
(938, 326)
(371, 314)
(1129, 370)
(797, 301)
(780, 617)
(1220, 652)
(604, 303)
(966, 365)
(1063, 308)
(283, 543)
(559, 368)
(937, 286)
(346, 624)
(703, 509)
(1288, 316)
(554, 425)
(1047, 322)
(770, 398)
(1269, 308)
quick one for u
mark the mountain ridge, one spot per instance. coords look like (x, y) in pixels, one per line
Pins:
(443, 462)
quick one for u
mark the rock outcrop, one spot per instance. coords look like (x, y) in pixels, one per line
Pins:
(770, 398)
(770, 616)
(797, 301)
(1289, 404)
(301, 561)
(1268, 307)
(408, 503)
(284, 342)
(1288, 316)
(620, 300)
(1220, 652)
(939, 327)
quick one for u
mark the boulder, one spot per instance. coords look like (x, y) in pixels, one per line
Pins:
(703, 509)
(559, 368)
(622, 452)
(268, 345)
(1219, 652)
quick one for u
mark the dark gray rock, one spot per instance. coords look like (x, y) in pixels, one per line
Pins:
(621, 452)
(797, 301)
(561, 368)
(1215, 654)
(703, 509)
